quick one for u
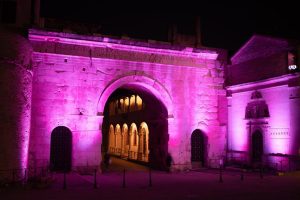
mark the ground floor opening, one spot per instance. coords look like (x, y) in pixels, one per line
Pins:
(61, 149)
(135, 127)
(198, 149)
(257, 147)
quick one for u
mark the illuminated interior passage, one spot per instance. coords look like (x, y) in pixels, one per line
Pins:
(135, 127)
(133, 144)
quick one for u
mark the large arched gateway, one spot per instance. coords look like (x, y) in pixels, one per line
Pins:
(141, 100)
(135, 127)
(136, 100)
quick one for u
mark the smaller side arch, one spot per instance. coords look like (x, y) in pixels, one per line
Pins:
(198, 148)
(61, 149)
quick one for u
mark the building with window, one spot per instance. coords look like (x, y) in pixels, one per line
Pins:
(263, 104)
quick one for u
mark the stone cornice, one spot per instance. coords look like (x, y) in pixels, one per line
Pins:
(276, 81)
(105, 49)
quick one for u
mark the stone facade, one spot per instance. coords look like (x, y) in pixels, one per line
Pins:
(75, 75)
(15, 99)
(64, 81)
(263, 96)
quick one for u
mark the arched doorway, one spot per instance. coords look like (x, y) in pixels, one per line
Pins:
(143, 150)
(125, 140)
(111, 140)
(144, 126)
(133, 143)
(118, 138)
(61, 149)
(198, 150)
(257, 147)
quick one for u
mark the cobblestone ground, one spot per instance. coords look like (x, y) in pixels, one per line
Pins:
(204, 184)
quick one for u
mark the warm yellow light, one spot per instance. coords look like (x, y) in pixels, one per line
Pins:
(139, 102)
(132, 103)
(118, 138)
(126, 104)
(111, 139)
(130, 142)
(125, 136)
(122, 105)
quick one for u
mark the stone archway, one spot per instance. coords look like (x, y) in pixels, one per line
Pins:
(61, 149)
(198, 148)
(122, 93)
(153, 86)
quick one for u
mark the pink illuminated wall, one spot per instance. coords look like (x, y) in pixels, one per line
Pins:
(275, 128)
(74, 78)
(278, 129)
(265, 72)
(15, 100)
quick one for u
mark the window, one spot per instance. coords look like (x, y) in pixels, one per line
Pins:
(139, 102)
(257, 109)
(126, 104)
(132, 103)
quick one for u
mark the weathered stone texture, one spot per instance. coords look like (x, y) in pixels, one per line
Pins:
(15, 99)
(70, 79)
(260, 74)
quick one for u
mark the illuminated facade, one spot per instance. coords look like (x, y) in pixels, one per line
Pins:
(263, 104)
(76, 97)
(139, 101)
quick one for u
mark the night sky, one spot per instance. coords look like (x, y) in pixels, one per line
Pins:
(224, 25)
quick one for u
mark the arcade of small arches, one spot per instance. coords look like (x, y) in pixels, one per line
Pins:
(126, 104)
(132, 143)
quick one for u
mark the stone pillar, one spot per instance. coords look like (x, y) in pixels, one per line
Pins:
(15, 99)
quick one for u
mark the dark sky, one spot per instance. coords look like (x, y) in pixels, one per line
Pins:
(223, 25)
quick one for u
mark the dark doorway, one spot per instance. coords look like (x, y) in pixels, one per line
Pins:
(61, 149)
(257, 146)
(198, 147)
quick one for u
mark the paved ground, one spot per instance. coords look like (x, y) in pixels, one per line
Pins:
(202, 184)
(120, 164)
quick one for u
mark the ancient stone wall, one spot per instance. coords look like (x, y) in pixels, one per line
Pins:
(263, 69)
(15, 99)
(72, 77)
